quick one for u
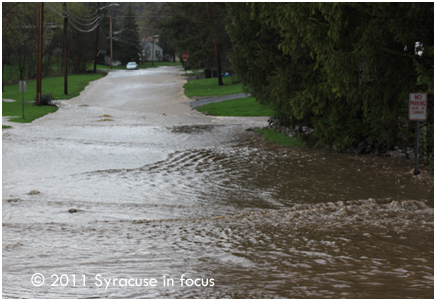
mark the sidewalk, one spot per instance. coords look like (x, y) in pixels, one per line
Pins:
(202, 102)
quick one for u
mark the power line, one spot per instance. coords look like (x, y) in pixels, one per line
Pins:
(53, 10)
(85, 19)
(73, 21)
(78, 22)
(82, 30)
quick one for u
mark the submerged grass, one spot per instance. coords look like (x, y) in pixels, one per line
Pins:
(280, 138)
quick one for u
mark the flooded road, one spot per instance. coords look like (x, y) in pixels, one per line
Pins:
(126, 192)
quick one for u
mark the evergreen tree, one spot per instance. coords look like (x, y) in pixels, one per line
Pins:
(199, 29)
(345, 69)
(127, 44)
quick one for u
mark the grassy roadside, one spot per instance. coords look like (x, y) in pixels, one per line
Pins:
(245, 107)
(209, 87)
(31, 111)
(50, 85)
(242, 107)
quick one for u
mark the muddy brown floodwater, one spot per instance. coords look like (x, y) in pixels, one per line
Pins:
(126, 192)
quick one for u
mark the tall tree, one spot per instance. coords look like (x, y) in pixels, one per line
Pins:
(127, 43)
(81, 38)
(19, 38)
(345, 69)
(199, 29)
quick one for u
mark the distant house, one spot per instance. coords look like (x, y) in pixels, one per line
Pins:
(151, 52)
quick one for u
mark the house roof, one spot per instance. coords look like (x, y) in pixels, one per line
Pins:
(147, 44)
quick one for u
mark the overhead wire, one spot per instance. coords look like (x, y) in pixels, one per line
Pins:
(82, 30)
(53, 10)
(73, 22)
(76, 17)
(97, 20)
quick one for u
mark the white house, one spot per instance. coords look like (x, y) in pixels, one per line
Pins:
(146, 50)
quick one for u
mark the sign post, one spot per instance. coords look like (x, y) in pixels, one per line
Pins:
(22, 86)
(185, 58)
(417, 112)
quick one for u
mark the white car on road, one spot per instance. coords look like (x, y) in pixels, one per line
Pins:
(131, 66)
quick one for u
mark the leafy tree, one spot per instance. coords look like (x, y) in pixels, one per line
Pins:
(127, 44)
(81, 38)
(199, 29)
(345, 69)
(184, 28)
(19, 38)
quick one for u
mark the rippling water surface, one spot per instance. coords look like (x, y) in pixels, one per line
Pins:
(262, 221)
(207, 211)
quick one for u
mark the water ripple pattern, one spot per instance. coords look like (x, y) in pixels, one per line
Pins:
(142, 197)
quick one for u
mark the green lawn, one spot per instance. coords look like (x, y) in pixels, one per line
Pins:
(209, 87)
(237, 107)
(31, 111)
(242, 107)
(10, 72)
(50, 85)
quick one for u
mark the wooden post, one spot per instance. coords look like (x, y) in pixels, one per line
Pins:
(65, 51)
(152, 46)
(96, 37)
(110, 18)
(416, 171)
(39, 58)
(215, 45)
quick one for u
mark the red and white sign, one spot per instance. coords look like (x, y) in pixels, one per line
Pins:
(185, 56)
(418, 106)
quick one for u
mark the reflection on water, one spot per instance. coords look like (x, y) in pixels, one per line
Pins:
(254, 219)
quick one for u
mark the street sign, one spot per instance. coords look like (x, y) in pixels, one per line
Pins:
(185, 56)
(417, 112)
(418, 106)
(22, 85)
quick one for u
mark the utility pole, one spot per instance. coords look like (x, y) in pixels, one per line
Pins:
(215, 45)
(110, 22)
(65, 50)
(110, 19)
(152, 46)
(96, 38)
(39, 59)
